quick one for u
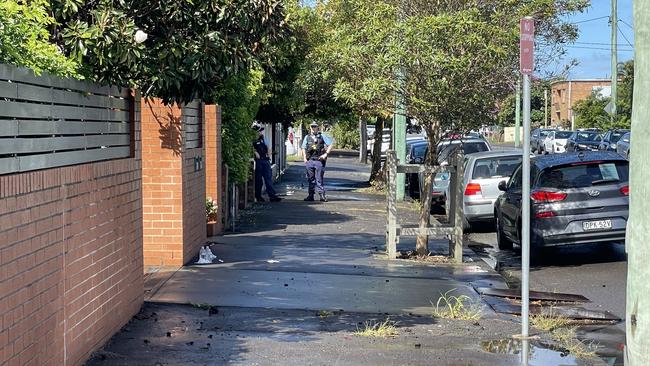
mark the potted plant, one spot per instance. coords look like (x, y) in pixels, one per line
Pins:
(211, 210)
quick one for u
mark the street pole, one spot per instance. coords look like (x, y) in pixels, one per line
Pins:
(399, 133)
(527, 46)
(545, 107)
(614, 21)
(518, 112)
(637, 321)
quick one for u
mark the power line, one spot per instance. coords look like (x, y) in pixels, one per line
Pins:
(590, 20)
(597, 48)
(626, 23)
(598, 44)
(627, 40)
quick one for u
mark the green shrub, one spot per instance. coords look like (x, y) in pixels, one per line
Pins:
(24, 39)
(346, 134)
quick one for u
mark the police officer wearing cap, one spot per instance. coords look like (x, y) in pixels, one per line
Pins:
(316, 148)
(263, 167)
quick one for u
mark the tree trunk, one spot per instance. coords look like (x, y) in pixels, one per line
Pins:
(376, 150)
(422, 241)
(363, 141)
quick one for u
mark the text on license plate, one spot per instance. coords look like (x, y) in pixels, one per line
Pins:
(597, 225)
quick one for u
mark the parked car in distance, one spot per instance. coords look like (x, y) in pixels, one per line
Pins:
(537, 139)
(623, 146)
(610, 139)
(583, 141)
(576, 198)
(556, 141)
(483, 173)
(470, 145)
(385, 142)
(416, 152)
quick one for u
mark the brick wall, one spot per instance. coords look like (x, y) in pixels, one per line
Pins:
(173, 193)
(565, 97)
(70, 259)
(213, 160)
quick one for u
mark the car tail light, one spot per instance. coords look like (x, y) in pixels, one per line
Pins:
(544, 214)
(545, 196)
(625, 190)
(472, 189)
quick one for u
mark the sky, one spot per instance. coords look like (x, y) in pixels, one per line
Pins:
(592, 49)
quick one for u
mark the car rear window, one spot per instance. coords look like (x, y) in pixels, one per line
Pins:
(582, 175)
(495, 167)
(468, 148)
(586, 136)
(563, 134)
(419, 150)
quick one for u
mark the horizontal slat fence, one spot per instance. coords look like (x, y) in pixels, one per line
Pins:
(48, 122)
(193, 122)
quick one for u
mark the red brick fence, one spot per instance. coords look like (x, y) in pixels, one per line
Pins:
(95, 182)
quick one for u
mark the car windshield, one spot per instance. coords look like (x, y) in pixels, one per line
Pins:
(580, 175)
(587, 136)
(499, 167)
(544, 133)
(563, 134)
(419, 151)
(468, 148)
(616, 136)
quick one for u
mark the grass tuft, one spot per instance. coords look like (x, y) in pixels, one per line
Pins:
(549, 321)
(378, 329)
(324, 314)
(568, 339)
(456, 307)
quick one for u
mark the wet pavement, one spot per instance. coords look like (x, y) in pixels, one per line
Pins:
(298, 279)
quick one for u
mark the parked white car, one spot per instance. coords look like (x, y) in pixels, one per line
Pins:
(556, 141)
(385, 141)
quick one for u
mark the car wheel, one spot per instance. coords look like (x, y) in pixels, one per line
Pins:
(502, 242)
(467, 226)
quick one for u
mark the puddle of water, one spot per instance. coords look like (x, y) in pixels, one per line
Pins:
(538, 355)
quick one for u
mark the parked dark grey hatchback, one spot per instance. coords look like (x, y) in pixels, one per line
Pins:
(575, 198)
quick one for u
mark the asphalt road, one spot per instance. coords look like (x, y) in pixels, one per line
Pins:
(597, 272)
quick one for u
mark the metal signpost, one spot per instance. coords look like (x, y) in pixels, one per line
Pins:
(526, 61)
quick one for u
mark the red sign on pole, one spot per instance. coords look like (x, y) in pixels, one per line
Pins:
(526, 45)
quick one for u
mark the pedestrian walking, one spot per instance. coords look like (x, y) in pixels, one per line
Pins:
(316, 147)
(263, 167)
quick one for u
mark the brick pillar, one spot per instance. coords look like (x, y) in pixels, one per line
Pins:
(173, 187)
(214, 162)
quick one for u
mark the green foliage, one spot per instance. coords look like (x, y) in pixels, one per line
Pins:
(590, 112)
(506, 115)
(239, 98)
(192, 46)
(346, 134)
(24, 39)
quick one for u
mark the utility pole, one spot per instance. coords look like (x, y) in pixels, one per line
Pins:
(545, 107)
(518, 112)
(614, 21)
(637, 317)
(399, 133)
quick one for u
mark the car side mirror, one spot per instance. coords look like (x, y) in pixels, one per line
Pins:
(502, 186)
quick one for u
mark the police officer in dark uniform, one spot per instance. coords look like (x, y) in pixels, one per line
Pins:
(263, 167)
(316, 148)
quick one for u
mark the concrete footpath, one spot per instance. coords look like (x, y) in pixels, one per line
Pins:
(298, 279)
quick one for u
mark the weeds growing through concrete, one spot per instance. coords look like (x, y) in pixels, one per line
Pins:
(378, 329)
(324, 314)
(558, 328)
(460, 307)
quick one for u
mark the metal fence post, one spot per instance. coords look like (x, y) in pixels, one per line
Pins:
(456, 245)
(391, 196)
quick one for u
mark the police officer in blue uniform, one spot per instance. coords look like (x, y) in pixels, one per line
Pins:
(316, 148)
(263, 167)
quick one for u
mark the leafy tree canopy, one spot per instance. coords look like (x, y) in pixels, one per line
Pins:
(191, 49)
(24, 39)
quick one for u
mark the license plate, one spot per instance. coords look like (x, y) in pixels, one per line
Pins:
(597, 225)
